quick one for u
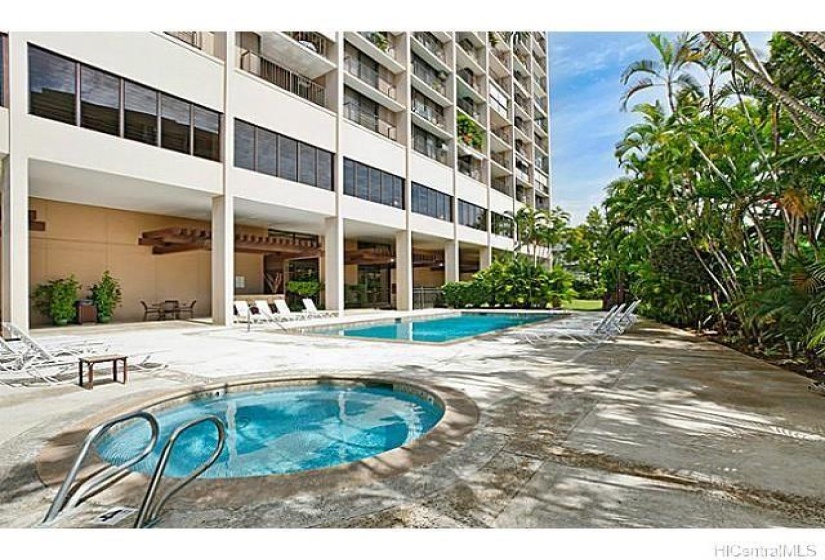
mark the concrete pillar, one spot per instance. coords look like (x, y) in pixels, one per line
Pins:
(451, 261)
(15, 241)
(485, 258)
(223, 259)
(403, 271)
(334, 264)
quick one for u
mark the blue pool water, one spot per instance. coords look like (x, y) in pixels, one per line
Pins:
(436, 329)
(281, 430)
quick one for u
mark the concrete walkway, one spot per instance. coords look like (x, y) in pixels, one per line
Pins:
(658, 429)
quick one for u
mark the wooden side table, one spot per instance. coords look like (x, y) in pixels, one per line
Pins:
(86, 312)
(91, 361)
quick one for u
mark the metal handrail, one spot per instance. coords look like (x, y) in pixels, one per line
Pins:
(104, 475)
(310, 40)
(370, 76)
(354, 113)
(288, 80)
(148, 513)
(431, 44)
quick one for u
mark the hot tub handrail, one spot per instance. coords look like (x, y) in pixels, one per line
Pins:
(149, 509)
(106, 474)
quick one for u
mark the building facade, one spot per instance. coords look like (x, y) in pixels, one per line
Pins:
(211, 165)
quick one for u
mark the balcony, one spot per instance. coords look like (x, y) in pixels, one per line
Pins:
(370, 76)
(310, 40)
(201, 40)
(503, 185)
(472, 83)
(428, 113)
(430, 77)
(470, 108)
(471, 168)
(371, 121)
(283, 78)
(502, 159)
(504, 58)
(504, 134)
(380, 39)
(431, 44)
(522, 175)
(523, 102)
(432, 148)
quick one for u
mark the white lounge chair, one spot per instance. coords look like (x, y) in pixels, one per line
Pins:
(285, 313)
(264, 309)
(312, 311)
(614, 323)
(244, 313)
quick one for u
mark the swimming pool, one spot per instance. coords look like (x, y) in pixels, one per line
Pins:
(435, 329)
(283, 430)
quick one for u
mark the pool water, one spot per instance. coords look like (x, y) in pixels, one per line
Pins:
(436, 329)
(281, 430)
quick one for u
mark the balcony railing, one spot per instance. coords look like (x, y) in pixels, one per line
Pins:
(470, 108)
(369, 120)
(522, 175)
(470, 79)
(503, 185)
(504, 134)
(369, 75)
(501, 158)
(522, 126)
(283, 78)
(470, 169)
(426, 112)
(437, 152)
(314, 42)
(381, 40)
(541, 181)
(523, 102)
(203, 40)
(430, 78)
(504, 57)
(467, 47)
(431, 44)
(498, 107)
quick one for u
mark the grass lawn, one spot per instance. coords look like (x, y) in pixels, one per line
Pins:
(583, 305)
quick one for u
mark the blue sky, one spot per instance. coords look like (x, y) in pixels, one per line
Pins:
(585, 118)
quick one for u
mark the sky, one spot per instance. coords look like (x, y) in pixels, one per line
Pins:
(585, 116)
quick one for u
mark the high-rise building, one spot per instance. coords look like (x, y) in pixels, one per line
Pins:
(210, 165)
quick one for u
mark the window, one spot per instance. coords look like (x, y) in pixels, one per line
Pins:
(52, 86)
(287, 158)
(349, 177)
(369, 183)
(266, 152)
(175, 117)
(472, 216)
(140, 113)
(432, 203)
(324, 170)
(307, 164)
(99, 101)
(429, 145)
(207, 133)
(67, 91)
(244, 145)
(3, 50)
(501, 224)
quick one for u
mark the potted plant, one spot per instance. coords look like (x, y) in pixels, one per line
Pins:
(106, 295)
(381, 41)
(56, 299)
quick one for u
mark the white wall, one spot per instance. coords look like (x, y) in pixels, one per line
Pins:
(431, 173)
(470, 190)
(273, 190)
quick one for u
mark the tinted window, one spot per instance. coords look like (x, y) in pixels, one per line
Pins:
(207, 133)
(375, 185)
(52, 86)
(288, 158)
(141, 113)
(349, 177)
(398, 192)
(174, 124)
(99, 101)
(244, 145)
(307, 164)
(324, 170)
(266, 148)
(362, 181)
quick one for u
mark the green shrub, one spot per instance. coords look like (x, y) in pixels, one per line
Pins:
(56, 299)
(106, 295)
(304, 288)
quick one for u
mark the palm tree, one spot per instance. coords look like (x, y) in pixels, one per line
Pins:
(668, 72)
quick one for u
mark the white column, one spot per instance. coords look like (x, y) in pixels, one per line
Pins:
(485, 258)
(334, 264)
(451, 262)
(403, 271)
(223, 259)
(15, 241)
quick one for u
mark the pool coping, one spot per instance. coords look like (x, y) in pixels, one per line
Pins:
(461, 416)
(551, 314)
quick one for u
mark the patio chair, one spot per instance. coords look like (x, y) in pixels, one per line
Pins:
(187, 310)
(311, 311)
(264, 309)
(595, 334)
(285, 313)
(244, 313)
(170, 308)
(149, 310)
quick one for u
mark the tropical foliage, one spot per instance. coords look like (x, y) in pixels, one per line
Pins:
(56, 299)
(718, 220)
(107, 295)
(512, 281)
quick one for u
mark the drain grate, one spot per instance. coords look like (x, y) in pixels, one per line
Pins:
(114, 515)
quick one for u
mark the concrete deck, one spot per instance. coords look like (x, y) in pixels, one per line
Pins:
(659, 429)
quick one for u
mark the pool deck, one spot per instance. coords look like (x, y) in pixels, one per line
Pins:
(658, 429)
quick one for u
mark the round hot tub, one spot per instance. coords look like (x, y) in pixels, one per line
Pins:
(282, 429)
